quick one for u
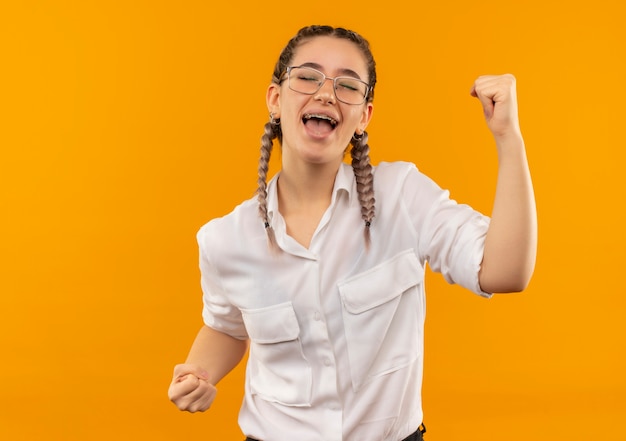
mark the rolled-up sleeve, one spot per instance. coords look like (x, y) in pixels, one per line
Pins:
(217, 312)
(451, 236)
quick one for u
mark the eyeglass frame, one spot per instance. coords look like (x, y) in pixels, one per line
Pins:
(321, 84)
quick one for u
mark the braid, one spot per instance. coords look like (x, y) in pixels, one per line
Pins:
(360, 148)
(272, 130)
(364, 181)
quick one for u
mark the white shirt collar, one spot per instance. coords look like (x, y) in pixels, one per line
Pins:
(344, 181)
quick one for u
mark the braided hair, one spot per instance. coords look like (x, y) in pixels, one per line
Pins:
(360, 148)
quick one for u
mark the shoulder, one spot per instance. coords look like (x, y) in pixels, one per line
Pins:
(394, 167)
(241, 221)
(404, 181)
(391, 175)
(396, 170)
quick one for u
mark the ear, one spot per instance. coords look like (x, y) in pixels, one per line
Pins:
(366, 116)
(273, 100)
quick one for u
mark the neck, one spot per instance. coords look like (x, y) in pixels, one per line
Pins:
(306, 188)
(303, 198)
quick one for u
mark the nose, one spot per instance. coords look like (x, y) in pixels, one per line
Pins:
(326, 93)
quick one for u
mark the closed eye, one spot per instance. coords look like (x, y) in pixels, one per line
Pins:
(308, 78)
(349, 87)
(349, 84)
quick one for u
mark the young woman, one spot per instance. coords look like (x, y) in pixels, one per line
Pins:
(321, 275)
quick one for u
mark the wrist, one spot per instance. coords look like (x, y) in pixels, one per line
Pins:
(510, 144)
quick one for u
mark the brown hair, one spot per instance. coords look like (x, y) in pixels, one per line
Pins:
(360, 148)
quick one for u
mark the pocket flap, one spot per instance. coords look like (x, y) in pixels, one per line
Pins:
(272, 324)
(381, 283)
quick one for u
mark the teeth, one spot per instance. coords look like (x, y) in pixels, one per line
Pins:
(332, 121)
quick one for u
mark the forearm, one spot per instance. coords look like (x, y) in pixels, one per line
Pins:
(216, 352)
(511, 242)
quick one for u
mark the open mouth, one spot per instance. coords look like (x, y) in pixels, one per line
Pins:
(320, 121)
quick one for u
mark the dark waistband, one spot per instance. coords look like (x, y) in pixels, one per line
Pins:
(415, 436)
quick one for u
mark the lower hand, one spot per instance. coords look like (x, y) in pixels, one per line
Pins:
(190, 389)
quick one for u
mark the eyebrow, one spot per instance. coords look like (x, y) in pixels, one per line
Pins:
(342, 72)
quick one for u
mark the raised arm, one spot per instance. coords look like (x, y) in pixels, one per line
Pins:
(511, 242)
(212, 356)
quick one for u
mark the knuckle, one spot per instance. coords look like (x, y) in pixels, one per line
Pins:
(180, 403)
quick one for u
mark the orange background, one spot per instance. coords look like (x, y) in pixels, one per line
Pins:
(125, 126)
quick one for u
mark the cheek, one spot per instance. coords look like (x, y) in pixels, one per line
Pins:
(353, 120)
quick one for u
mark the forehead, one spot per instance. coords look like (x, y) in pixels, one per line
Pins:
(332, 54)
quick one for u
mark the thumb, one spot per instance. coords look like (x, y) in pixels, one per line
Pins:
(486, 101)
(182, 370)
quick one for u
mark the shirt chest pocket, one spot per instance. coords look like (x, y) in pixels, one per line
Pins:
(277, 369)
(383, 313)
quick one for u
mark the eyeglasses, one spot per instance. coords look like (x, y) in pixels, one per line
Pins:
(308, 81)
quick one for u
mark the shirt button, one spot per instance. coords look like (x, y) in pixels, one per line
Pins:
(327, 362)
(317, 316)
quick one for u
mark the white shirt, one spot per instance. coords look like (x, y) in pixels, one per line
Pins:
(337, 332)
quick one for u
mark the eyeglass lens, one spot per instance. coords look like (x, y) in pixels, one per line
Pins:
(308, 81)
